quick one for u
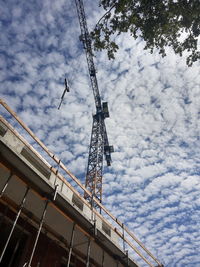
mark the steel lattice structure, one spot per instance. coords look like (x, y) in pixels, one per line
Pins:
(99, 144)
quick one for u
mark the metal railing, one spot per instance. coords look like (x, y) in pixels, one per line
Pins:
(122, 231)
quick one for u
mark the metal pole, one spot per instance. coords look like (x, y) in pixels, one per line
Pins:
(55, 192)
(124, 245)
(88, 253)
(14, 224)
(5, 185)
(41, 224)
(71, 244)
(92, 207)
(57, 171)
(127, 258)
(38, 233)
(18, 242)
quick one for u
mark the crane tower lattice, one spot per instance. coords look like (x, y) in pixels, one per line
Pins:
(99, 144)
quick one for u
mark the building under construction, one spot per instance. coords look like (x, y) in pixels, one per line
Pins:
(45, 222)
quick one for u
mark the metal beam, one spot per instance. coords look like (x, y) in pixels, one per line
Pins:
(38, 232)
(127, 258)
(88, 253)
(5, 185)
(123, 236)
(14, 223)
(18, 241)
(53, 198)
(71, 244)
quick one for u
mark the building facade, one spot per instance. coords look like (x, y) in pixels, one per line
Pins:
(45, 221)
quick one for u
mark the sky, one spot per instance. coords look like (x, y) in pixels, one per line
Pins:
(153, 185)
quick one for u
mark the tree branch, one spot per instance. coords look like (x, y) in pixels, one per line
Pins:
(106, 13)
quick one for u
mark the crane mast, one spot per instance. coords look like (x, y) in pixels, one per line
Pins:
(99, 144)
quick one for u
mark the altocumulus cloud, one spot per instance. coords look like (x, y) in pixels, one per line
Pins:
(153, 185)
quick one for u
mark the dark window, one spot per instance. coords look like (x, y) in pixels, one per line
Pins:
(3, 129)
(77, 201)
(106, 229)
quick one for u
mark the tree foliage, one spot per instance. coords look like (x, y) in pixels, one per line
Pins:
(160, 23)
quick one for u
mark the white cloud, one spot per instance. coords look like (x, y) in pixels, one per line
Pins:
(153, 184)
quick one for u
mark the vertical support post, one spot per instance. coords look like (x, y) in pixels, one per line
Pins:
(93, 218)
(92, 206)
(95, 227)
(14, 224)
(71, 244)
(127, 258)
(55, 192)
(123, 235)
(18, 242)
(38, 233)
(88, 253)
(5, 185)
(57, 171)
(41, 224)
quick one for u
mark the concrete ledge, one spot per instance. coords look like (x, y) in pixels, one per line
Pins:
(43, 170)
(35, 161)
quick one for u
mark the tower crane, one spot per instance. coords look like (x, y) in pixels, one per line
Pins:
(99, 145)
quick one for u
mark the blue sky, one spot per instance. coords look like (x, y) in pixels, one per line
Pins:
(153, 185)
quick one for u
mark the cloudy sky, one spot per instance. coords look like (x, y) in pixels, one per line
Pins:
(153, 185)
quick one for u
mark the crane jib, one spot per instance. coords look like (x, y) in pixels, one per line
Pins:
(85, 38)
